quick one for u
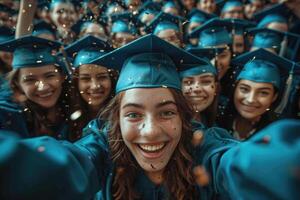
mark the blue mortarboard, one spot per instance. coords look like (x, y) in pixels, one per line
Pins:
(263, 66)
(276, 13)
(213, 33)
(87, 49)
(205, 54)
(111, 8)
(164, 21)
(41, 27)
(198, 16)
(170, 4)
(124, 22)
(31, 51)
(6, 9)
(208, 53)
(240, 26)
(229, 5)
(54, 2)
(148, 62)
(86, 21)
(147, 8)
(267, 38)
(6, 34)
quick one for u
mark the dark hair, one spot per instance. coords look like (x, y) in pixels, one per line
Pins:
(36, 116)
(227, 118)
(178, 173)
(79, 104)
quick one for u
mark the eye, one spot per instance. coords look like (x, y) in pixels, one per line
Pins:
(102, 77)
(243, 89)
(133, 115)
(50, 75)
(167, 114)
(264, 93)
(29, 80)
(84, 78)
(206, 82)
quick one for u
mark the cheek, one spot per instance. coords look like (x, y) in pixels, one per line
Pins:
(129, 130)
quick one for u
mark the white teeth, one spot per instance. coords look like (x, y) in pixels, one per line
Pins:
(46, 95)
(153, 148)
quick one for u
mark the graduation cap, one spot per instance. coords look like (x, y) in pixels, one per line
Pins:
(198, 16)
(265, 67)
(124, 22)
(6, 34)
(85, 22)
(164, 21)
(229, 5)
(266, 38)
(213, 33)
(43, 4)
(148, 8)
(31, 51)
(111, 8)
(87, 49)
(148, 62)
(276, 13)
(41, 27)
(206, 54)
(240, 26)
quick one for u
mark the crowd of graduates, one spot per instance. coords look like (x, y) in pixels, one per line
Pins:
(151, 99)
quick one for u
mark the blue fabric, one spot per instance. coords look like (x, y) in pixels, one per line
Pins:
(31, 51)
(271, 18)
(237, 170)
(123, 27)
(231, 4)
(148, 62)
(165, 25)
(201, 69)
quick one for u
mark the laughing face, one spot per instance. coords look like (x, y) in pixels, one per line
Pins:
(199, 90)
(150, 129)
(94, 84)
(63, 15)
(252, 99)
(41, 85)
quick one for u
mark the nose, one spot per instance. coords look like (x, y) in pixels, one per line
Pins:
(41, 85)
(95, 84)
(150, 128)
(196, 88)
(250, 97)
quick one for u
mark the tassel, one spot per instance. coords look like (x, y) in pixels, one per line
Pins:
(286, 94)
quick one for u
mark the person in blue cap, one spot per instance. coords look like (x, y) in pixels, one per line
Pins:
(144, 150)
(123, 29)
(171, 7)
(214, 34)
(147, 12)
(114, 8)
(167, 27)
(195, 19)
(44, 30)
(208, 6)
(258, 87)
(200, 86)
(96, 28)
(233, 9)
(253, 6)
(187, 5)
(38, 104)
(5, 57)
(63, 15)
(93, 84)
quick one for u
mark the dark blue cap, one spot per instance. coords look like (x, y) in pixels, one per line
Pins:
(6, 34)
(213, 33)
(198, 16)
(229, 5)
(263, 66)
(208, 53)
(31, 51)
(240, 26)
(276, 13)
(41, 27)
(87, 49)
(149, 62)
(124, 23)
(164, 21)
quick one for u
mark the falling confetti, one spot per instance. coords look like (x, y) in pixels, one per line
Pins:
(75, 115)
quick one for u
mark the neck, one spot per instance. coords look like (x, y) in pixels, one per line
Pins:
(245, 126)
(156, 177)
(197, 116)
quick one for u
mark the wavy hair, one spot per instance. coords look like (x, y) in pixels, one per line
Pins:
(178, 181)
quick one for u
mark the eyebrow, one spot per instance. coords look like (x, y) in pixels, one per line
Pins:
(141, 106)
(263, 88)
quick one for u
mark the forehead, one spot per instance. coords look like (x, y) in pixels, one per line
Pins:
(147, 96)
(167, 32)
(204, 75)
(65, 6)
(255, 85)
(91, 69)
(37, 70)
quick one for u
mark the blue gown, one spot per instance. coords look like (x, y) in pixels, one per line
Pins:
(264, 167)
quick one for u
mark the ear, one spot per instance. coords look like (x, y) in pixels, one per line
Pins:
(19, 96)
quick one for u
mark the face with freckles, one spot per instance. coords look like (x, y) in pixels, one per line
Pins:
(150, 129)
(41, 85)
(253, 99)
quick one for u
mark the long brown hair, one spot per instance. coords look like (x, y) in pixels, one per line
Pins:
(178, 173)
(35, 115)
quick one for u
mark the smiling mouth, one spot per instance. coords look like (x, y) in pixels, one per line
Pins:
(45, 95)
(197, 98)
(152, 148)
